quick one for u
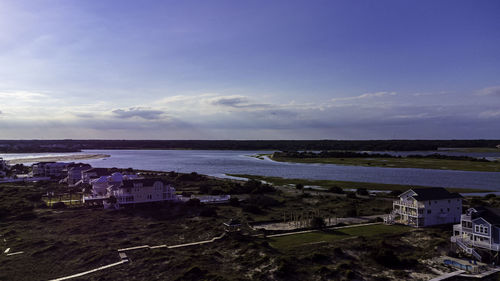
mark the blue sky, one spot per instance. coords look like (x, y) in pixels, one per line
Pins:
(249, 69)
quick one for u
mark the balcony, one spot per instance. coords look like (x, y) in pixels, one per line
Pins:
(477, 244)
(407, 204)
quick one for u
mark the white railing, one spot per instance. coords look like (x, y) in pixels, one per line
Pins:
(466, 248)
(472, 243)
(405, 203)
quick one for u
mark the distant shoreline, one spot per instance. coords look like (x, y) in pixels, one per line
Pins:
(61, 158)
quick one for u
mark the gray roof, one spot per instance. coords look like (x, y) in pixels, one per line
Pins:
(145, 182)
(491, 215)
(434, 193)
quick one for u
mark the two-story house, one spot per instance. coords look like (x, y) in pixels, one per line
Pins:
(128, 189)
(422, 207)
(136, 191)
(50, 169)
(478, 231)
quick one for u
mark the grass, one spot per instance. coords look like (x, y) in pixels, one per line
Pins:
(475, 149)
(379, 230)
(420, 163)
(349, 184)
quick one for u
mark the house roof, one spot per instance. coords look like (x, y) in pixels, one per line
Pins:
(99, 171)
(434, 193)
(491, 215)
(145, 182)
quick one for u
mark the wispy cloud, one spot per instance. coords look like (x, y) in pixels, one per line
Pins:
(144, 113)
(490, 91)
(365, 96)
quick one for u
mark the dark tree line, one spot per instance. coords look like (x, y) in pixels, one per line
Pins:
(20, 146)
(353, 154)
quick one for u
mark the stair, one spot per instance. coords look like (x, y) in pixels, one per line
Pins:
(467, 249)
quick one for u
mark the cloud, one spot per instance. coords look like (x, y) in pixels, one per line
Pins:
(490, 114)
(490, 91)
(365, 96)
(144, 113)
(236, 102)
(23, 96)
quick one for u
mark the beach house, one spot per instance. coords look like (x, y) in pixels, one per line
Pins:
(478, 233)
(420, 207)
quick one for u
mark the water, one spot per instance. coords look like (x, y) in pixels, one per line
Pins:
(218, 163)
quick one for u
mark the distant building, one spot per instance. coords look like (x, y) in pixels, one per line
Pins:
(3, 167)
(478, 231)
(422, 207)
(50, 169)
(94, 173)
(74, 173)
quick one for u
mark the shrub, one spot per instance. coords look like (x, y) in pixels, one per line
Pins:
(395, 193)
(489, 196)
(336, 189)
(193, 202)
(351, 195)
(362, 191)
(318, 222)
(252, 209)
(235, 202)
(58, 205)
(208, 212)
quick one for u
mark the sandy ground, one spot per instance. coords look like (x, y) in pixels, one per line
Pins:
(75, 157)
(329, 222)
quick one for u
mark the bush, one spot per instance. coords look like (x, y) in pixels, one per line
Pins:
(58, 205)
(351, 195)
(318, 222)
(263, 201)
(252, 209)
(235, 202)
(489, 196)
(336, 189)
(395, 193)
(362, 191)
(193, 202)
(186, 194)
(208, 212)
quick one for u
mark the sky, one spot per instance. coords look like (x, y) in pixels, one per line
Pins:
(261, 69)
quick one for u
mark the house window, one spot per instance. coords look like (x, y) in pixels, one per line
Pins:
(476, 228)
(428, 211)
(429, 203)
(485, 230)
(448, 210)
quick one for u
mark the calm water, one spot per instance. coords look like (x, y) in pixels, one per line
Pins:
(218, 163)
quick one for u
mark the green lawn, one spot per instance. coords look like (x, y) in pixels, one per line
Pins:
(348, 184)
(290, 241)
(421, 163)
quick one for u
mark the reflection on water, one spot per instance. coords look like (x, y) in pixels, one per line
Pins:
(221, 162)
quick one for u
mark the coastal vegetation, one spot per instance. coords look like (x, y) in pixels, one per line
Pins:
(62, 241)
(333, 185)
(432, 161)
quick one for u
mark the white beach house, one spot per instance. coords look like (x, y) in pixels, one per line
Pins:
(422, 207)
(478, 232)
(130, 189)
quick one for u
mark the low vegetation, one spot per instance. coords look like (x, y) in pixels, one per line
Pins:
(433, 161)
(63, 240)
